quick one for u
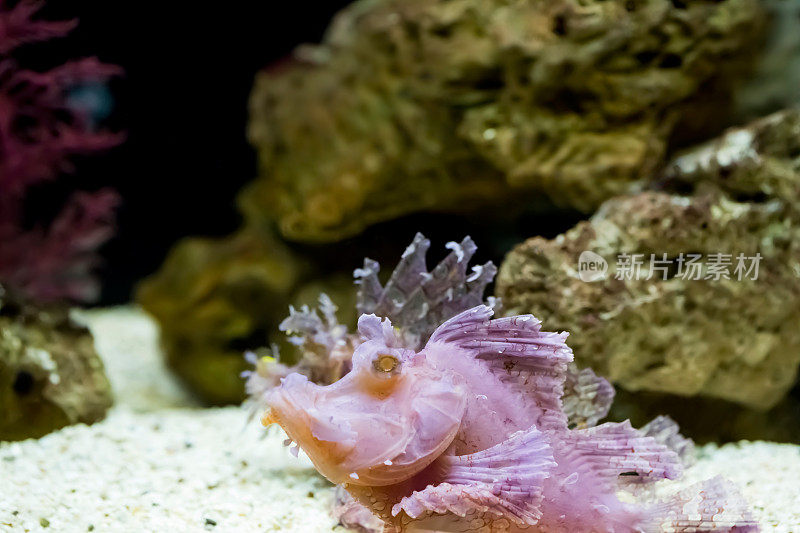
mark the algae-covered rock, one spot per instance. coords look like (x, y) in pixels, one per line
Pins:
(456, 105)
(718, 336)
(50, 374)
(213, 299)
(477, 107)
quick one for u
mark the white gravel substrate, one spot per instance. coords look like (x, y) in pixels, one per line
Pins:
(173, 470)
(127, 340)
(158, 464)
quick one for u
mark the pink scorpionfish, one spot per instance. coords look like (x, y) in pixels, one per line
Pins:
(468, 435)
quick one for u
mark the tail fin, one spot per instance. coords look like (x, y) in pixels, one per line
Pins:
(714, 506)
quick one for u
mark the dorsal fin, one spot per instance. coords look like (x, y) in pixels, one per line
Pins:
(516, 350)
(418, 300)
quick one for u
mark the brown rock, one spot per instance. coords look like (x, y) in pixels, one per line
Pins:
(50, 374)
(213, 299)
(724, 339)
(457, 105)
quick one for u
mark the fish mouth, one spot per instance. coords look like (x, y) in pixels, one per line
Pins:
(293, 406)
(344, 441)
(298, 406)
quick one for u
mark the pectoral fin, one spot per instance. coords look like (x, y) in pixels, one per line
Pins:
(502, 483)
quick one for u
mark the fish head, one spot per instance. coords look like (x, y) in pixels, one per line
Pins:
(389, 418)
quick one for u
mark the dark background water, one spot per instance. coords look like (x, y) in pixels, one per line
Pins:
(183, 103)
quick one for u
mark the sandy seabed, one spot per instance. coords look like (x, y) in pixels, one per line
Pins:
(159, 463)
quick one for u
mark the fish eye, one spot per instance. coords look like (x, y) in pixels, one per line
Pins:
(385, 363)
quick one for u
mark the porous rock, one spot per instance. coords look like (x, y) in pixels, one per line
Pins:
(50, 373)
(726, 339)
(457, 105)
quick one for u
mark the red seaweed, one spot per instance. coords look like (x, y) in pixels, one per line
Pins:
(41, 131)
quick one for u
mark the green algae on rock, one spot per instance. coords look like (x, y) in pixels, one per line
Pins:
(723, 339)
(458, 105)
(216, 298)
(210, 296)
(50, 374)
